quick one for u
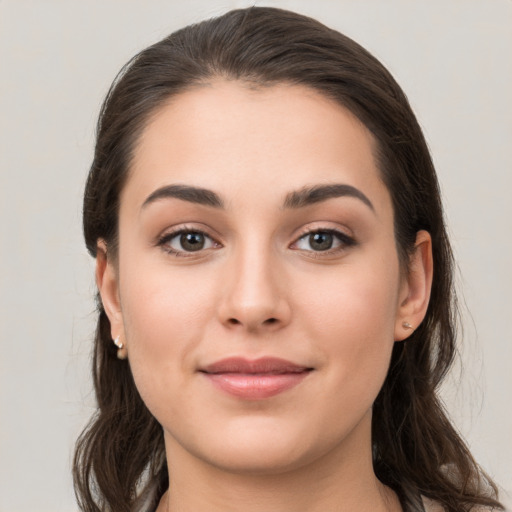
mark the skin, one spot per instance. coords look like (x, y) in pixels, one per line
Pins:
(260, 288)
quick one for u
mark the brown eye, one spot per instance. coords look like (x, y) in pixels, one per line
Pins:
(321, 241)
(192, 241)
(184, 242)
(324, 241)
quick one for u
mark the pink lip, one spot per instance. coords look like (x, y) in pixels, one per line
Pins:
(257, 379)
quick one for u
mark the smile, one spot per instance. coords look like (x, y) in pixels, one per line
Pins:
(255, 380)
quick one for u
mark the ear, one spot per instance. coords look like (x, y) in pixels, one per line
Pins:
(415, 288)
(108, 286)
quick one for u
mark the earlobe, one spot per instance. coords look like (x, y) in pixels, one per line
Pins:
(107, 283)
(415, 292)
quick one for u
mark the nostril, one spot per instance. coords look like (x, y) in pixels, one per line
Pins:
(268, 321)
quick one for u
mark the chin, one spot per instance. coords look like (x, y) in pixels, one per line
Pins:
(261, 447)
(258, 460)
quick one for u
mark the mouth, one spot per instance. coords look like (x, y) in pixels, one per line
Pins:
(255, 379)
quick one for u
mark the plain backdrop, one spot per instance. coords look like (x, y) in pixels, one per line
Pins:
(57, 59)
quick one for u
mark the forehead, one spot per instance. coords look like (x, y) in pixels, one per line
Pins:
(237, 139)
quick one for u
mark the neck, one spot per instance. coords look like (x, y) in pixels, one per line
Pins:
(341, 480)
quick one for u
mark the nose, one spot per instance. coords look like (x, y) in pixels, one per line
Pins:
(255, 294)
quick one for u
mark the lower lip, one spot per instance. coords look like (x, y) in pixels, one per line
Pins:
(256, 386)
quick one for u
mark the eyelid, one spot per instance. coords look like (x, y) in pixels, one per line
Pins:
(345, 240)
(163, 240)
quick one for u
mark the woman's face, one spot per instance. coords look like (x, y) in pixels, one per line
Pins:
(258, 288)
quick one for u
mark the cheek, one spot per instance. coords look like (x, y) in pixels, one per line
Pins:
(165, 315)
(359, 298)
(351, 317)
(161, 304)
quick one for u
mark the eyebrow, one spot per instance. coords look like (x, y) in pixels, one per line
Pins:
(315, 194)
(185, 193)
(297, 199)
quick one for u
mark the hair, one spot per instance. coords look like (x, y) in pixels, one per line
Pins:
(120, 457)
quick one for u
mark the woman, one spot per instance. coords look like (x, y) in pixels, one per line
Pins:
(276, 305)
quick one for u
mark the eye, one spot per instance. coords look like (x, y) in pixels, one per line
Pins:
(323, 241)
(186, 241)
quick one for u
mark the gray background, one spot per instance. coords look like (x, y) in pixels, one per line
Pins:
(57, 58)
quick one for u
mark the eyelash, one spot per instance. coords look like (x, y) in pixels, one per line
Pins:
(165, 240)
(343, 239)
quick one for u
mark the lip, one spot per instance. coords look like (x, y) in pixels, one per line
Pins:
(255, 379)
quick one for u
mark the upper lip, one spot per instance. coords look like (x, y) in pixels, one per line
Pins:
(268, 365)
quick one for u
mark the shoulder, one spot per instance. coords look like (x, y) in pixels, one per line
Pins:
(434, 506)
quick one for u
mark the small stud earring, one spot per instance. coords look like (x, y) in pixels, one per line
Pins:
(118, 343)
(121, 354)
(406, 325)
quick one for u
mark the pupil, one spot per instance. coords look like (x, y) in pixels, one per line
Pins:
(192, 241)
(320, 241)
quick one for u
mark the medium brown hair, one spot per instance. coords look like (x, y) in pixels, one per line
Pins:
(120, 456)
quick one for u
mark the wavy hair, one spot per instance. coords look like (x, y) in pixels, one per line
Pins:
(119, 460)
